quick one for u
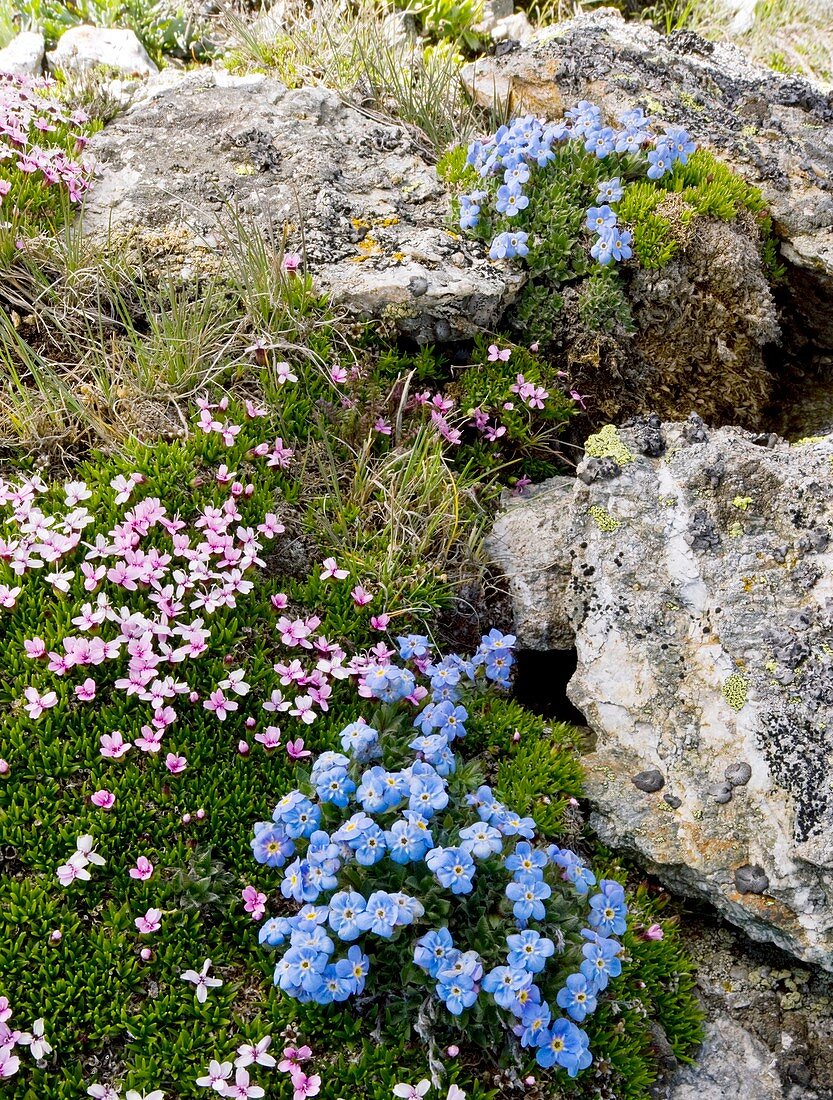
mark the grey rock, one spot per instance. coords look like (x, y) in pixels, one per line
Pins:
(709, 665)
(775, 128)
(24, 54)
(731, 1062)
(367, 208)
(649, 781)
(673, 801)
(83, 48)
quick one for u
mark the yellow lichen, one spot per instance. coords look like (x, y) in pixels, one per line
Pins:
(735, 691)
(607, 443)
(604, 520)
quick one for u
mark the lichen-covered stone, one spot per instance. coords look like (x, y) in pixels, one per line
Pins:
(357, 196)
(706, 658)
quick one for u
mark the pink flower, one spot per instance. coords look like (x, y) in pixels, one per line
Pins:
(496, 353)
(579, 398)
(150, 922)
(380, 622)
(103, 799)
(9, 1063)
(293, 1057)
(361, 597)
(412, 1092)
(4, 766)
(304, 1085)
(242, 1089)
(291, 263)
(255, 903)
(175, 764)
(521, 484)
(221, 706)
(382, 427)
(279, 601)
(113, 745)
(285, 373)
(255, 1053)
(270, 738)
(243, 748)
(36, 704)
(35, 648)
(295, 749)
(331, 569)
(655, 932)
(85, 692)
(143, 869)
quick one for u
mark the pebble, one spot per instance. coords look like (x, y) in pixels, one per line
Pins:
(751, 879)
(649, 781)
(738, 775)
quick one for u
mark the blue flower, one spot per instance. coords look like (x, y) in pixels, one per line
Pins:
(511, 824)
(371, 846)
(432, 949)
(610, 190)
(525, 859)
(456, 996)
(346, 907)
(285, 804)
(408, 909)
(408, 839)
(535, 1019)
(460, 966)
(304, 966)
(415, 645)
(271, 845)
(361, 740)
(529, 896)
(274, 931)
(350, 831)
(518, 174)
(660, 162)
(335, 986)
(323, 764)
(449, 719)
(601, 142)
(453, 867)
(381, 914)
(565, 1045)
(428, 793)
(481, 840)
(678, 142)
(620, 245)
(504, 983)
(608, 909)
(315, 937)
(529, 950)
(296, 882)
(321, 852)
(354, 968)
(373, 791)
(335, 786)
(302, 819)
(578, 997)
(600, 217)
(602, 246)
(506, 246)
(601, 961)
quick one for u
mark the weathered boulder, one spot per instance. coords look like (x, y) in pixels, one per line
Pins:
(692, 568)
(776, 129)
(366, 207)
(24, 54)
(731, 1062)
(83, 48)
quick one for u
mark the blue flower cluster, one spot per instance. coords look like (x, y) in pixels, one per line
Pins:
(517, 151)
(360, 813)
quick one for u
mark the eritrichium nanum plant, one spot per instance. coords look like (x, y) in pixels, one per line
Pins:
(393, 843)
(519, 157)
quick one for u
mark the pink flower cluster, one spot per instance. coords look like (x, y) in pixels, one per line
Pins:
(29, 113)
(218, 1077)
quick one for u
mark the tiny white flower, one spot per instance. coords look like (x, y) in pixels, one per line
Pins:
(202, 982)
(133, 1094)
(35, 1042)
